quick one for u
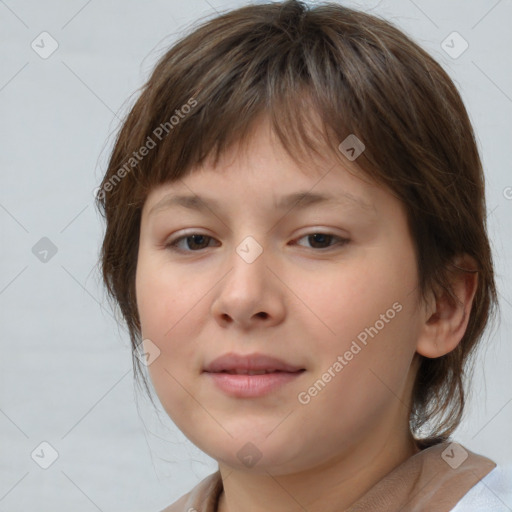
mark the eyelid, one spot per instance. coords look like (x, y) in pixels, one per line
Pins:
(341, 240)
(171, 244)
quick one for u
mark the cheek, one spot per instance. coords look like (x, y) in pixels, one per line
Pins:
(344, 302)
(170, 310)
(167, 300)
(364, 312)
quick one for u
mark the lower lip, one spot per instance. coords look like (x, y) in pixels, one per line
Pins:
(251, 386)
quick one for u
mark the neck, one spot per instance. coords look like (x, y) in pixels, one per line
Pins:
(334, 486)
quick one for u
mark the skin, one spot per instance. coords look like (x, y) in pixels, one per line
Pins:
(301, 300)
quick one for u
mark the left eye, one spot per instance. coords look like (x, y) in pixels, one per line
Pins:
(196, 241)
(323, 238)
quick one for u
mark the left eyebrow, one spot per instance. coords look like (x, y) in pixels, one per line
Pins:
(299, 200)
(306, 198)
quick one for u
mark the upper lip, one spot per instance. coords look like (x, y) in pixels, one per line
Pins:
(249, 362)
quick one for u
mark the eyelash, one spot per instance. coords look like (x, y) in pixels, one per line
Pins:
(172, 245)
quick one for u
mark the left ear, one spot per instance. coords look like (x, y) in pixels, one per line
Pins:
(446, 320)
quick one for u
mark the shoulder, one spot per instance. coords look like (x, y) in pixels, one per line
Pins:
(202, 498)
(491, 493)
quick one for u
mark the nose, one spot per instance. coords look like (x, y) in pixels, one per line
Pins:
(249, 295)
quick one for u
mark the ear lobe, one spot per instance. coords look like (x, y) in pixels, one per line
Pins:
(445, 320)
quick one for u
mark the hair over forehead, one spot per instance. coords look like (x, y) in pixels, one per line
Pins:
(319, 75)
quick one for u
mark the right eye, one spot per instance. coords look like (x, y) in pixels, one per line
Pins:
(192, 241)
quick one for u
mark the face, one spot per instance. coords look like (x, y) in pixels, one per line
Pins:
(328, 287)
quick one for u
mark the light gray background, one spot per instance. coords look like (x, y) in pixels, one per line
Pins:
(65, 367)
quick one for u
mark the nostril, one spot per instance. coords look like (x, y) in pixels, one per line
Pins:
(262, 314)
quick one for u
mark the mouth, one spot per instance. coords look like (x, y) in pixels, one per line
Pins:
(240, 371)
(250, 364)
(250, 376)
(255, 385)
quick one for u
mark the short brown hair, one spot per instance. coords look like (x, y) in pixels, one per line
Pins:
(360, 75)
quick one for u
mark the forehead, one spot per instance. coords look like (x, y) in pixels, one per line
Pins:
(209, 195)
(263, 167)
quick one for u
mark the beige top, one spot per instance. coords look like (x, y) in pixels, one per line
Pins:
(434, 479)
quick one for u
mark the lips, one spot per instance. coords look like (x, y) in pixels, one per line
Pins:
(240, 371)
(251, 376)
(250, 364)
